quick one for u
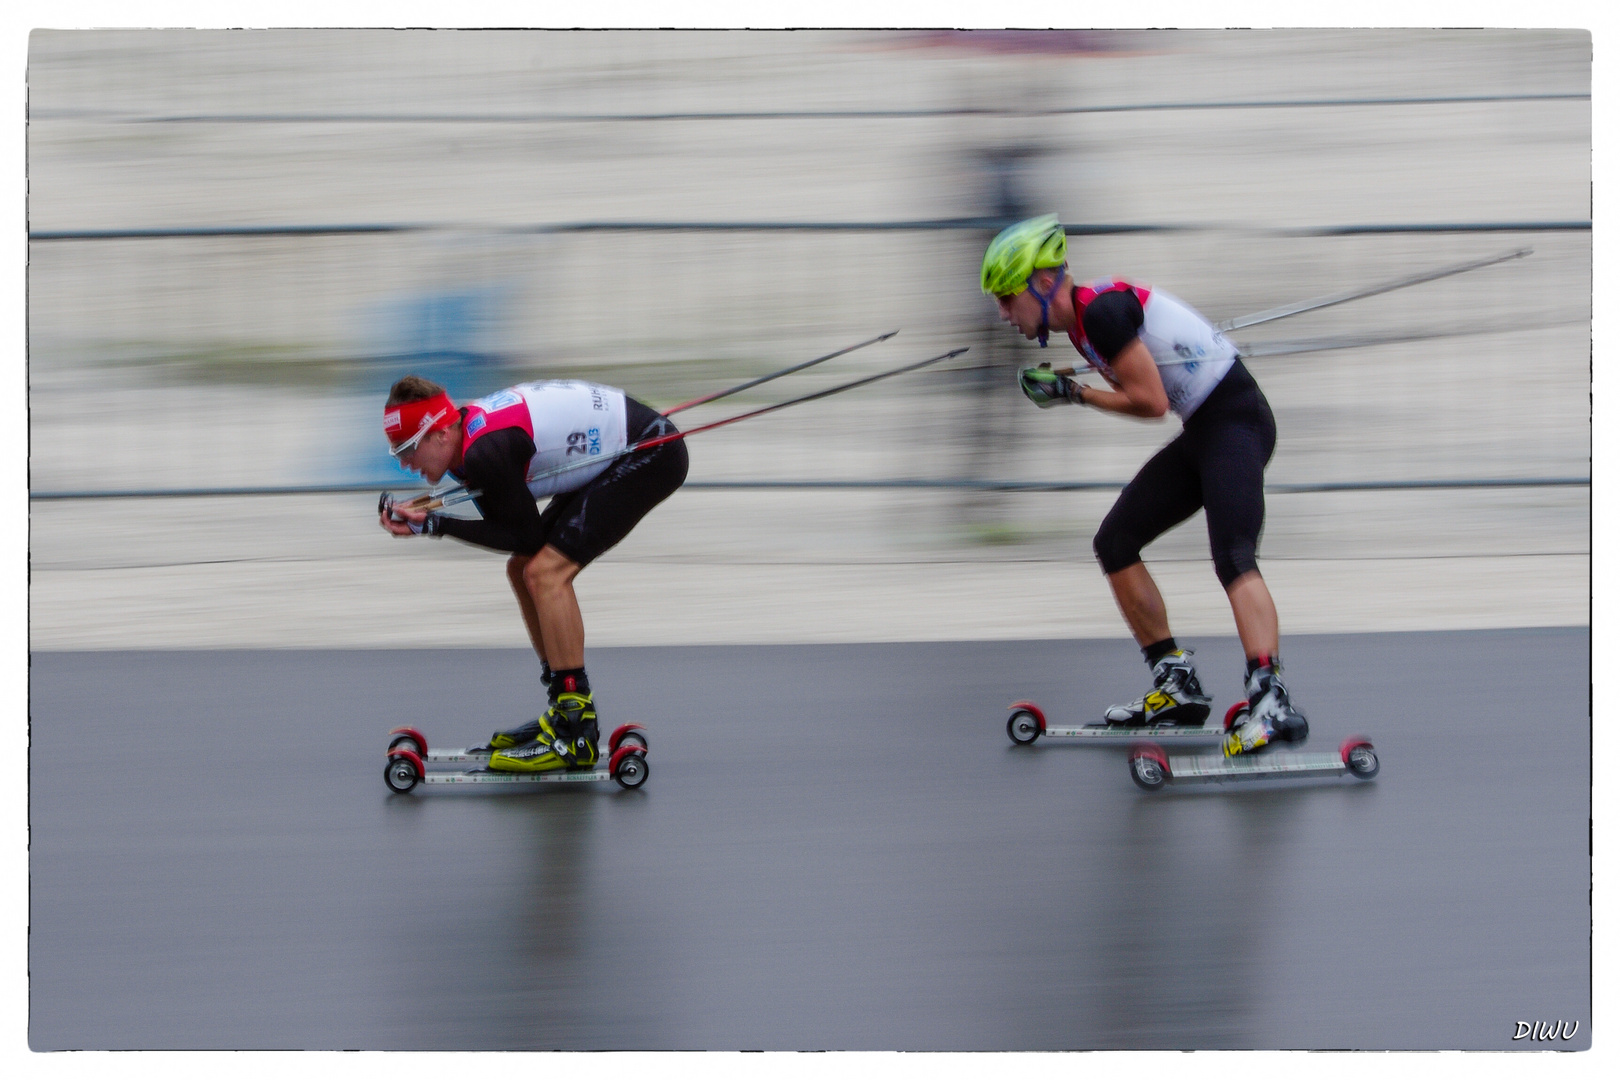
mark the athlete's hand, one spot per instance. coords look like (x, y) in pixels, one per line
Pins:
(400, 519)
(398, 522)
(1046, 387)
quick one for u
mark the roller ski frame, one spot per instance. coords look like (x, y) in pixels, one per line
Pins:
(1027, 722)
(1151, 768)
(409, 756)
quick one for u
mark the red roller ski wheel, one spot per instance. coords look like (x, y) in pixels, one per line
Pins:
(408, 738)
(1025, 723)
(403, 771)
(1358, 757)
(628, 766)
(627, 734)
(1150, 768)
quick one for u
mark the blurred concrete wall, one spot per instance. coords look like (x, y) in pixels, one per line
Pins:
(265, 356)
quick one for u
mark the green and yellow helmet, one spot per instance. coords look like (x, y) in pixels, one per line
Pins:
(1038, 243)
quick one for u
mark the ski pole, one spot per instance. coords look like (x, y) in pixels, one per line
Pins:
(776, 374)
(659, 440)
(453, 496)
(1357, 294)
(426, 501)
(840, 388)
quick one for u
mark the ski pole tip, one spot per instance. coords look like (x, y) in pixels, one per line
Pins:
(886, 337)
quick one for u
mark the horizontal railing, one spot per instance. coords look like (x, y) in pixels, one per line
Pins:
(765, 485)
(971, 224)
(112, 116)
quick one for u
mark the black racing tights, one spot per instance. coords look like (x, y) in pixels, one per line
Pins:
(1217, 463)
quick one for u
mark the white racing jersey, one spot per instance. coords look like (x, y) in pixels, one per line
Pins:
(577, 428)
(1191, 354)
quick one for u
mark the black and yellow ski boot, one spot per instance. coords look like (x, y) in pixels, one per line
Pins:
(526, 732)
(567, 739)
(517, 736)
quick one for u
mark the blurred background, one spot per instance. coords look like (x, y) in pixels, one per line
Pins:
(240, 239)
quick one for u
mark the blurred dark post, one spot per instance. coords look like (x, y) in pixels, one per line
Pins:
(989, 429)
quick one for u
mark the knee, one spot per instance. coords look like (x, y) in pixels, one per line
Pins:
(547, 571)
(535, 575)
(1233, 561)
(1114, 550)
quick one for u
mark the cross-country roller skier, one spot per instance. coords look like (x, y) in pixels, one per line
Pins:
(493, 446)
(1157, 354)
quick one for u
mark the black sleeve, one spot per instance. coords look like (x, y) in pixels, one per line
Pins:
(497, 467)
(1111, 322)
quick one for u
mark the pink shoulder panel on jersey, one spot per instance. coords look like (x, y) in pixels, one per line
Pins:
(511, 410)
(1085, 294)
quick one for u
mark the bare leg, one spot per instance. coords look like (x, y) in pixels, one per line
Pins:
(1139, 601)
(531, 618)
(549, 577)
(1255, 614)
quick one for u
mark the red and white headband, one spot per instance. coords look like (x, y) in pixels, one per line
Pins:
(408, 424)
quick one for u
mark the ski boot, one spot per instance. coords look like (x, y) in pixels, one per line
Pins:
(1271, 718)
(1175, 700)
(567, 739)
(518, 736)
(526, 732)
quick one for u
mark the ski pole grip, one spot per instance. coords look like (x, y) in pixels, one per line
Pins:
(387, 504)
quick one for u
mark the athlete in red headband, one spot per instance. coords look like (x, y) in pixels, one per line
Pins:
(560, 439)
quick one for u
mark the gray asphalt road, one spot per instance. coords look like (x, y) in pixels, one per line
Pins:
(838, 848)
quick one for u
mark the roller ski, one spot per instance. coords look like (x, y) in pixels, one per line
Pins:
(1175, 708)
(1152, 768)
(1251, 731)
(1027, 722)
(625, 734)
(409, 756)
(559, 747)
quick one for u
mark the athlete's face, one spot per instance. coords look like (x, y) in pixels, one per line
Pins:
(433, 456)
(1023, 310)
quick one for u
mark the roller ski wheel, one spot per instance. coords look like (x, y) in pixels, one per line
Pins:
(628, 766)
(408, 738)
(627, 735)
(1359, 758)
(1150, 768)
(403, 771)
(1025, 724)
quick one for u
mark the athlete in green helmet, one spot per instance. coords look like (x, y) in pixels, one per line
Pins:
(1158, 354)
(1016, 253)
